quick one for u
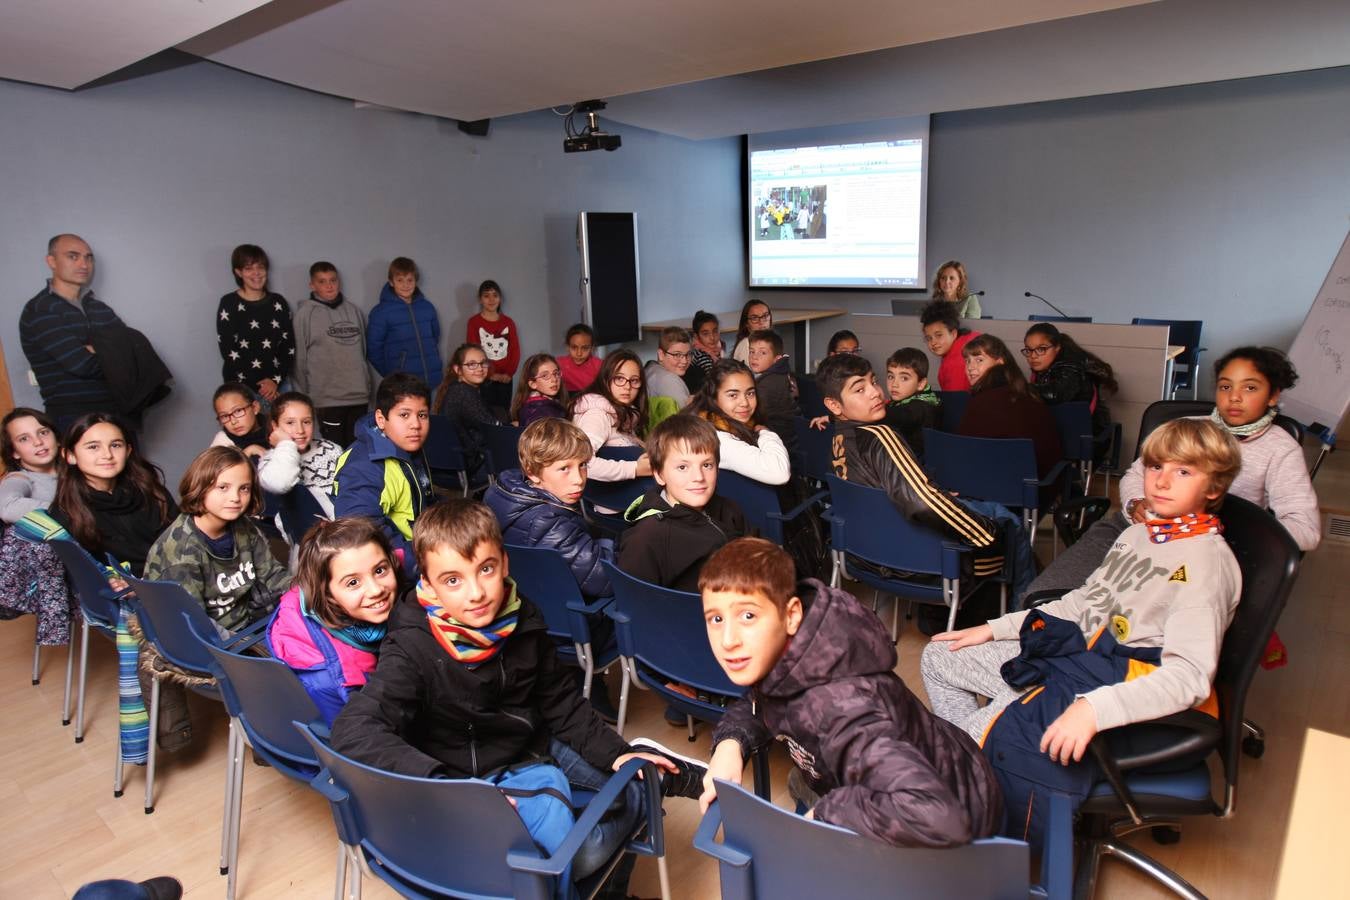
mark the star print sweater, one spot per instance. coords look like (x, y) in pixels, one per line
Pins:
(255, 338)
(1179, 595)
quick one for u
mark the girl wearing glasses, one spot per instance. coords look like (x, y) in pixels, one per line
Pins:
(613, 413)
(755, 316)
(541, 394)
(460, 399)
(241, 425)
(1063, 372)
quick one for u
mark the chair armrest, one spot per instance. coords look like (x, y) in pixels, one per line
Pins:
(1031, 490)
(1040, 598)
(705, 839)
(1200, 733)
(1057, 854)
(248, 636)
(589, 818)
(953, 556)
(800, 508)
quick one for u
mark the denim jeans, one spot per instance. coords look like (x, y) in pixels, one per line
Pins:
(613, 830)
(1023, 564)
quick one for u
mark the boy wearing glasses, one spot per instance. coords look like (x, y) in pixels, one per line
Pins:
(665, 374)
(237, 412)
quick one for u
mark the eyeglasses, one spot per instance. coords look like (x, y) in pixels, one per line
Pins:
(849, 350)
(478, 364)
(1036, 351)
(550, 375)
(233, 415)
(677, 354)
(762, 318)
(620, 381)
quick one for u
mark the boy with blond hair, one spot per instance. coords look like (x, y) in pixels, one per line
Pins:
(820, 674)
(1140, 640)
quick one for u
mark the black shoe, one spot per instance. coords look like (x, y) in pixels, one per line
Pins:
(162, 888)
(688, 781)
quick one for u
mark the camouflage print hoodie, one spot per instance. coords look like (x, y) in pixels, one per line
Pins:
(235, 591)
(884, 766)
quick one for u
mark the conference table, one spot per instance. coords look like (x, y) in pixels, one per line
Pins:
(800, 319)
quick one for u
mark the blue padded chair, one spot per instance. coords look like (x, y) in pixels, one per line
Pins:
(760, 504)
(543, 576)
(663, 639)
(809, 397)
(299, 510)
(767, 853)
(865, 525)
(1168, 778)
(263, 698)
(1074, 421)
(445, 455)
(503, 443)
(815, 450)
(396, 826)
(615, 495)
(99, 609)
(168, 617)
(1001, 470)
(953, 409)
(1185, 368)
(1054, 318)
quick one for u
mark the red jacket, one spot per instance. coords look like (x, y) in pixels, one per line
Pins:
(952, 371)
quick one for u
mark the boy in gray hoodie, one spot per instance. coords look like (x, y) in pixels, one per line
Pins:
(330, 356)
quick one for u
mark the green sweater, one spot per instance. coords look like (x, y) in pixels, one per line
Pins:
(235, 591)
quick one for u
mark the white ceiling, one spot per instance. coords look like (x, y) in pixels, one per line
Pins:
(67, 43)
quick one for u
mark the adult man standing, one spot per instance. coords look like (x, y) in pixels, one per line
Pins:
(56, 329)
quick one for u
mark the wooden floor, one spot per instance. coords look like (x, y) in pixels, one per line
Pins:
(61, 827)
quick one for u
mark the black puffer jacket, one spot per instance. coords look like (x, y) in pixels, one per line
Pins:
(532, 517)
(668, 545)
(422, 713)
(884, 765)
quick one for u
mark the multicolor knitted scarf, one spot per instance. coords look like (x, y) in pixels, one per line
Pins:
(466, 644)
(1251, 429)
(1160, 531)
(364, 636)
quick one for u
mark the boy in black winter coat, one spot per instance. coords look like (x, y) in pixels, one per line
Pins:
(468, 686)
(775, 386)
(677, 526)
(820, 669)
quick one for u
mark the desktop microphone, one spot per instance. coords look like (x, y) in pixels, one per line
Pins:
(976, 294)
(1046, 302)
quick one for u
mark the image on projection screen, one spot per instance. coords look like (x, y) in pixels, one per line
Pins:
(837, 215)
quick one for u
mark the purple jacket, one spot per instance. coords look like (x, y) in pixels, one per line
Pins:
(884, 766)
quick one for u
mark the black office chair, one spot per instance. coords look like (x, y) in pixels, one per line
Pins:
(1169, 778)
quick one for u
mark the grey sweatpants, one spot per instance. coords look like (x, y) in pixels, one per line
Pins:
(955, 679)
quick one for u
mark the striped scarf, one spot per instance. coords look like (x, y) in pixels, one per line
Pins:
(466, 644)
(1160, 531)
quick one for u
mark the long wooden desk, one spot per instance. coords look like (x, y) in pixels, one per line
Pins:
(1137, 353)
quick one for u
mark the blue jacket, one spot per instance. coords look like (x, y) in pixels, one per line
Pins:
(1057, 665)
(377, 480)
(403, 337)
(533, 517)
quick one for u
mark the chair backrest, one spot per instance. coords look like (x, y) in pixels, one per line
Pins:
(502, 443)
(1269, 560)
(543, 576)
(443, 450)
(1160, 411)
(96, 596)
(815, 449)
(165, 610)
(756, 500)
(664, 630)
(266, 698)
(809, 396)
(407, 823)
(1054, 318)
(299, 511)
(1074, 420)
(617, 494)
(953, 409)
(790, 856)
(1002, 470)
(864, 523)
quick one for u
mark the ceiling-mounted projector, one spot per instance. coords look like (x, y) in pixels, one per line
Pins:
(590, 137)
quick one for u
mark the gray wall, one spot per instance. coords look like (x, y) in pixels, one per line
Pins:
(164, 174)
(1224, 202)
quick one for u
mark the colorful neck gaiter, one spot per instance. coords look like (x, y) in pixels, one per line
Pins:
(1251, 429)
(466, 644)
(361, 635)
(1160, 531)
